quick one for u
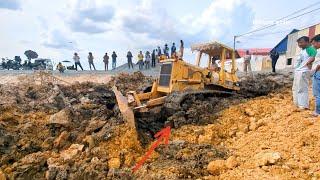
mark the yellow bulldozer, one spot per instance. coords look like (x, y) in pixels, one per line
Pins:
(216, 77)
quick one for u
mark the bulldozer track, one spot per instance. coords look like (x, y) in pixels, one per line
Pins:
(174, 100)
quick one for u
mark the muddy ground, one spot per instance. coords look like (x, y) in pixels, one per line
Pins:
(58, 131)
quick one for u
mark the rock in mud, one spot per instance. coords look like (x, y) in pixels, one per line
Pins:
(94, 126)
(249, 112)
(253, 126)
(48, 143)
(61, 141)
(243, 127)
(90, 141)
(231, 162)
(216, 167)
(72, 151)
(2, 176)
(31, 166)
(114, 163)
(62, 118)
(57, 172)
(266, 158)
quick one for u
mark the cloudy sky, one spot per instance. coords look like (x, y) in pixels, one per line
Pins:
(57, 29)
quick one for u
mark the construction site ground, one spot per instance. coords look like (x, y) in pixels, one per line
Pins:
(71, 128)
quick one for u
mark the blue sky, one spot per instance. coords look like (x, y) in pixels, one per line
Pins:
(56, 29)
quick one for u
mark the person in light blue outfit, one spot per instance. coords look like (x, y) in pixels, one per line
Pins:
(316, 75)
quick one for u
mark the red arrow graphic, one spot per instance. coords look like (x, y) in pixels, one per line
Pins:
(162, 136)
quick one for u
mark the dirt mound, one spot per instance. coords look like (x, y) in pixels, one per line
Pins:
(76, 132)
(268, 137)
(134, 82)
(63, 131)
(263, 84)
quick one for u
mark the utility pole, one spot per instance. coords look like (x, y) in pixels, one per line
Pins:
(234, 42)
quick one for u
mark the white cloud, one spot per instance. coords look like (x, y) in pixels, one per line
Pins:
(150, 20)
(59, 40)
(89, 19)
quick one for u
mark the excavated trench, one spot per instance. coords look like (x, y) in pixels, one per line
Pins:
(204, 108)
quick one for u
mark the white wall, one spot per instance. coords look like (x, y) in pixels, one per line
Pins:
(257, 63)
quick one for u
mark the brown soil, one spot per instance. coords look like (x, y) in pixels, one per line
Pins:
(76, 132)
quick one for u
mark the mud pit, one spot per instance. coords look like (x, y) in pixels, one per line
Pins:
(76, 132)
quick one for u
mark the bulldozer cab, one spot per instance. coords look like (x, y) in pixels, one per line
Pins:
(222, 54)
(215, 52)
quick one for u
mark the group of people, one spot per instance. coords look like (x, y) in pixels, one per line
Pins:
(146, 60)
(106, 58)
(306, 66)
(274, 55)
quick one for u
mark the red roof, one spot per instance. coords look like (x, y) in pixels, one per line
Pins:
(254, 51)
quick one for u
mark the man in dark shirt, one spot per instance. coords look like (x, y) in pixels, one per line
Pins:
(114, 60)
(274, 55)
(129, 56)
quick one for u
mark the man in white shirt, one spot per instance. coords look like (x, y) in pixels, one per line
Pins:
(77, 63)
(302, 73)
(316, 75)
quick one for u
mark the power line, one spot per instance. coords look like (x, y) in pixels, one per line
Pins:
(254, 37)
(275, 23)
(279, 32)
(298, 11)
(303, 14)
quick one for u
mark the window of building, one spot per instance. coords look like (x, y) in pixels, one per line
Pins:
(289, 61)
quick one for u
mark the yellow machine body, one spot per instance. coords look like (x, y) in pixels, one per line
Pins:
(177, 75)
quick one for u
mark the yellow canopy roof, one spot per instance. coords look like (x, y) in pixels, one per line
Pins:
(212, 48)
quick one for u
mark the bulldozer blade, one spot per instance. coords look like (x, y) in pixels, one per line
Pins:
(125, 110)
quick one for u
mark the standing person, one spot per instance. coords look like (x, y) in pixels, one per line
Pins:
(274, 55)
(166, 51)
(302, 73)
(129, 57)
(114, 60)
(173, 49)
(106, 62)
(90, 60)
(140, 60)
(316, 75)
(159, 53)
(147, 60)
(77, 63)
(181, 50)
(247, 63)
(153, 58)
